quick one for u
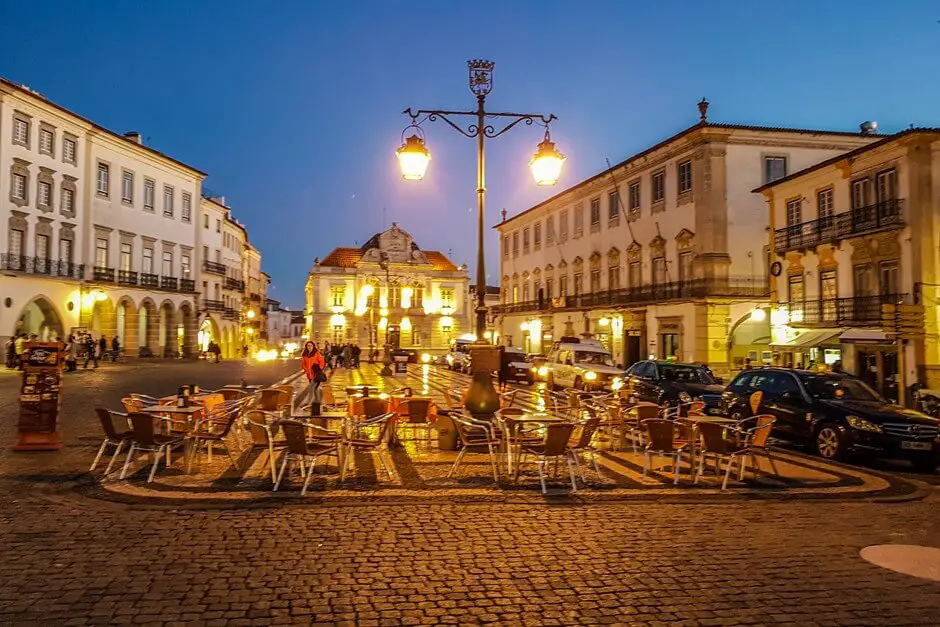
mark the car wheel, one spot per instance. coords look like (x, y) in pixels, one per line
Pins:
(550, 383)
(926, 463)
(830, 443)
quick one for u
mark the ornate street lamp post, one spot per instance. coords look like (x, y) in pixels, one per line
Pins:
(387, 361)
(413, 157)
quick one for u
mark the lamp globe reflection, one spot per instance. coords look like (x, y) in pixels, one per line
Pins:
(546, 164)
(413, 157)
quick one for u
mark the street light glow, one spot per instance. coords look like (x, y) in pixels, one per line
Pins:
(413, 157)
(546, 164)
(758, 314)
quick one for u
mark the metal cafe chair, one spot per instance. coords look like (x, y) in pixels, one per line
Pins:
(300, 449)
(113, 436)
(360, 442)
(474, 435)
(553, 446)
(414, 413)
(147, 439)
(663, 442)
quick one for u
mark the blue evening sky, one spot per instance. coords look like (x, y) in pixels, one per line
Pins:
(293, 107)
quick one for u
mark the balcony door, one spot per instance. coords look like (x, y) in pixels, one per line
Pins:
(889, 278)
(828, 293)
(886, 186)
(861, 193)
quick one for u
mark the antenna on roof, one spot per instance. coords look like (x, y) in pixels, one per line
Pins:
(617, 187)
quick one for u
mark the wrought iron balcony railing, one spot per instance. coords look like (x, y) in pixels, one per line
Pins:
(881, 216)
(213, 305)
(187, 285)
(148, 279)
(169, 283)
(127, 277)
(837, 312)
(645, 294)
(101, 273)
(230, 314)
(233, 284)
(213, 266)
(41, 265)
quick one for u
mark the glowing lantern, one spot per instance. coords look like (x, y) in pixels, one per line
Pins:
(546, 164)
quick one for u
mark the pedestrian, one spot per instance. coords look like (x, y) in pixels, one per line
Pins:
(71, 354)
(90, 348)
(356, 352)
(10, 352)
(245, 351)
(347, 356)
(217, 351)
(314, 366)
(837, 366)
(19, 347)
(102, 348)
(115, 349)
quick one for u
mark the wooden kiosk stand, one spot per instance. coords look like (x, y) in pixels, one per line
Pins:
(39, 397)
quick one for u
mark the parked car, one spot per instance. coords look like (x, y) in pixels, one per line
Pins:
(517, 365)
(670, 383)
(583, 365)
(458, 355)
(836, 413)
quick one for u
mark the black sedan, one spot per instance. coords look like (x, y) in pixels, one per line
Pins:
(669, 383)
(836, 413)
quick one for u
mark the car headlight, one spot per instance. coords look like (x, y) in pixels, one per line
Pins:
(616, 384)
(863, 425)
(450, 359)
(543, 371)
(685, 397)
(590, 376)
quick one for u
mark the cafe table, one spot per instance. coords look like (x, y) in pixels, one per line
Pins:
(206, 400)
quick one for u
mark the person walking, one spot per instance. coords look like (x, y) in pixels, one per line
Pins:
(356, 352)
(19, 347)
(71, 354)
(115, 349)
(10, 352)
(347, 356)
(314, 366)
(102, 348)
(90, 354)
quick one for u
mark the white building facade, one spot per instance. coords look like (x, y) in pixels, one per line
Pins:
(98, 231)
(663, 254)
(850, 235)
(420, 302)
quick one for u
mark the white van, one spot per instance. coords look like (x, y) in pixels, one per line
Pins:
(458, 355)
(583, 364)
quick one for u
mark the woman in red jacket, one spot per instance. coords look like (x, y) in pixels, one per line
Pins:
(313, 364)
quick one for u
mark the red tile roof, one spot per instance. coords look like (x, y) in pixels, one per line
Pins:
(346, 257)
(439, 261)
(343, 257)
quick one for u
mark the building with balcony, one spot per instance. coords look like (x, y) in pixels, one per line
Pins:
(662, 254)
(849, 235)
(223, 260)
(284, 326)
(98, 230)
(388, 288)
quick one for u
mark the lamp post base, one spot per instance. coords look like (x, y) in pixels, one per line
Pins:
(482, 398)
(387, 363)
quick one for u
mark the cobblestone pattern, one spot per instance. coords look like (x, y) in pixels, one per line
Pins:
(76, 563)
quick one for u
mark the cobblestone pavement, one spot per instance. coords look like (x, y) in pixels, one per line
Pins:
(68, 559)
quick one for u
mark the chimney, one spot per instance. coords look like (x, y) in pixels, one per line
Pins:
(869, 127)
(134, 136)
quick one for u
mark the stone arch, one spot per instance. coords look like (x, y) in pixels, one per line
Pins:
(40, 316)
(166, 329)
(186, 331)
(209, 332)
(126, 325)
(147, 325)
(102, 317)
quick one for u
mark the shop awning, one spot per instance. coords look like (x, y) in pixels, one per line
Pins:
(864, 335)
(812, 338)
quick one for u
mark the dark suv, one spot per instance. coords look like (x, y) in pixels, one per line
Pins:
(836, 413)
(669, 382)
